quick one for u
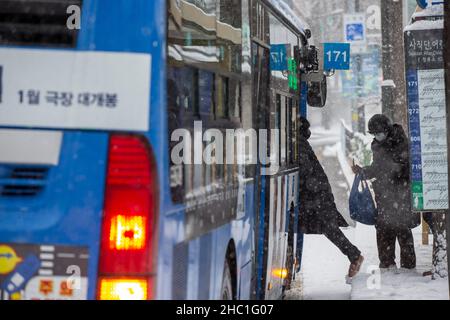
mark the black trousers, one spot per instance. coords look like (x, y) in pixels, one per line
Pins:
(386, 239)
(337, 237)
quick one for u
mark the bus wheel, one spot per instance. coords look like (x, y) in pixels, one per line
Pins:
(227, 285)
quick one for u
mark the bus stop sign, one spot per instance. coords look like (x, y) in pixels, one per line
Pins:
(336, 56)
(278, 57)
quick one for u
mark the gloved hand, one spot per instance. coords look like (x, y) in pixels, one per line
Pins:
(356, 169)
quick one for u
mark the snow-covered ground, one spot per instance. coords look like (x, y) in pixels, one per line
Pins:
(372, 284)
(324, 269)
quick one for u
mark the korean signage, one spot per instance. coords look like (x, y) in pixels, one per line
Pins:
(43, 272)
(427, 119)
(74, 89)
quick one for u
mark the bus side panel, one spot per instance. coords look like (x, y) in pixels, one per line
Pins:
(245, 250)
(194, 269)
(259, 242)
(241, 233)
(170, 284)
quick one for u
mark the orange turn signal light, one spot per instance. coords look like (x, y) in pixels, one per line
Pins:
(127, 233)
(123, 289)
(280, 273)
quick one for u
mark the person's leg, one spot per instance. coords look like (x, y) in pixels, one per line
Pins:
(386, 246)
(337, 237)
(408, 253)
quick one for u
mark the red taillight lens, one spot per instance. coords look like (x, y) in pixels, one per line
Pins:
(126, 257)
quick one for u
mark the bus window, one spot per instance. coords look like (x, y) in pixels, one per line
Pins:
(228, 170)
(229, 34)
(282, 111)
(205, 92)
(199, 45)
(196, 95)
(260, 22)
(208, 172)
(182, 104)
(286, 80)
(294, 132)
(235, 99)
(188, 177)
(230, 12)
(261, 86)
(235, 167)
(281, 125)
(175, 121)
(289, 131)
(186, 80)
(220, 172)
(199, 178)
(277, 121)
(214, 179)
(206, 109)
(282, 226)
(222, 107)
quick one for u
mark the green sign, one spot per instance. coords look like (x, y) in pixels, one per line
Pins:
(293, 78)
(417, 193)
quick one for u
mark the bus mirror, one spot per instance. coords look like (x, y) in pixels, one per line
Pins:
(317, 93)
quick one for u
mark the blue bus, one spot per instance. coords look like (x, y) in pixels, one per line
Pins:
(92, 203)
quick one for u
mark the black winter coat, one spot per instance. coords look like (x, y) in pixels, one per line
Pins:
(390, 169)
(317, 207)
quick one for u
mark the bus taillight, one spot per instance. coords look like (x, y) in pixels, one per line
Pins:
(127, 247)
(123, 289)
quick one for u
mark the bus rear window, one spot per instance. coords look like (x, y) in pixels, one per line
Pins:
(32, 22)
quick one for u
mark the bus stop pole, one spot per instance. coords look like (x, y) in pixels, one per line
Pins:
(447, 94)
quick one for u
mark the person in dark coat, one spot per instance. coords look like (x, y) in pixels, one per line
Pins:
(390, 171)
(318, 212)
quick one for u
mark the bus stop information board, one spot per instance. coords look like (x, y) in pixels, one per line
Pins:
(427, 119)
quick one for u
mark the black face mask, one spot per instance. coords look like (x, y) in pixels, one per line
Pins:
(380, 137)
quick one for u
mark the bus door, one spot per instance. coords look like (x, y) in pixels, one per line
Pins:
(261, 64)
(277, 237)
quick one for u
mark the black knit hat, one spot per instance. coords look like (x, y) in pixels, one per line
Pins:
(379, 123)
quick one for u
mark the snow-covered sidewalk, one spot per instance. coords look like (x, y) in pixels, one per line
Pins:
(324, 269)
(371, 284)
(323, 272)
